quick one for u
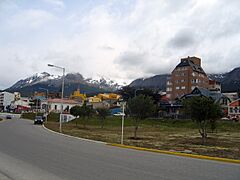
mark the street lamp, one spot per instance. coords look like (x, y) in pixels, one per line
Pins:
(47, 100)
(63, 69)
(123, 115)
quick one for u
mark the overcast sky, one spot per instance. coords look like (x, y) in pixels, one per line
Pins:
(119, 39)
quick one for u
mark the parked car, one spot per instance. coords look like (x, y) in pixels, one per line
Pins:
(38, 120)
(119, 114)
(8, 116)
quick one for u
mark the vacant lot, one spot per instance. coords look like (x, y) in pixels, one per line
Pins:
(175, 135)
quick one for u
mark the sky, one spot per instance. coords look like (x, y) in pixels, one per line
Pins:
(117, 39)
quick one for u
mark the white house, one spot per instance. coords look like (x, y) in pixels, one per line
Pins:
(5, 100)
(56, 104)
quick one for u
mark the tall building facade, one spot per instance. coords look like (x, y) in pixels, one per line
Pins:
(187, 75)
(5, 100)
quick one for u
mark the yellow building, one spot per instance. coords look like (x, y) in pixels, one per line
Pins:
(94, 99)
(109, 96)
(77, 96)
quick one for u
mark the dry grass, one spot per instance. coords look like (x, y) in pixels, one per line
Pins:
(165, 135)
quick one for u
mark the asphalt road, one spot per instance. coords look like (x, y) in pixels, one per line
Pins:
(29, 152)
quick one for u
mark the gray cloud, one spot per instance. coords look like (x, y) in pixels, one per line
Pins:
(182, 39)
(142, 38)
(131, 59)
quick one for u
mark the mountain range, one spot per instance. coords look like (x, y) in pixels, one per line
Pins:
(230, 81)
(72, 81)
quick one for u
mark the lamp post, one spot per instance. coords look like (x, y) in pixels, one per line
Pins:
(63, 69)
(123, 115)
(47, 100)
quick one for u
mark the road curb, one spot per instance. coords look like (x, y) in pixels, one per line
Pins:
(66, 135)
(176, 153)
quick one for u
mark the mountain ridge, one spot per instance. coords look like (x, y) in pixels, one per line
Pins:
(53, 83)
(230, 81)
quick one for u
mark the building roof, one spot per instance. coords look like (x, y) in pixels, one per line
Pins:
(65, 101)
(199, 91)
(235, 103)
(188, 62)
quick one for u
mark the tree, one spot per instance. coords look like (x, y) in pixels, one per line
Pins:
(86, 111)
(201, 110)
(102, 114)
(214, 115)
(76, 111)
(140, 107)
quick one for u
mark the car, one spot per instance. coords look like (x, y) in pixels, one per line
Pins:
(38, 120)
(8, 117)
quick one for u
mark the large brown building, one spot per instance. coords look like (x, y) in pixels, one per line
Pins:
(187, 75)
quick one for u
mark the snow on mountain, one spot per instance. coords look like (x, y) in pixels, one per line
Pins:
(72, 81)
(34, 79)
(103, 83)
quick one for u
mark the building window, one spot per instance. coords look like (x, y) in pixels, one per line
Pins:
(169, 89)
(192, 87)
(183, 87)
(177, 87)
(182, 80)
(194, 80)
(55, 107)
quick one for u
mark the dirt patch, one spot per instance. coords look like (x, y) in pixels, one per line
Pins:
(181, 139)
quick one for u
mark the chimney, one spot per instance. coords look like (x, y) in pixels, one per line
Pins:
(195, 60)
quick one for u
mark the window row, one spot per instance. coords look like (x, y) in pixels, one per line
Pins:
(180, 87)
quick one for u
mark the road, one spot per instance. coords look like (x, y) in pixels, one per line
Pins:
(30, 152)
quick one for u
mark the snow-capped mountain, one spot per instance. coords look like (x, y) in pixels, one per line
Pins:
(72, 81)
(34, 79)
(104, 83)
(217, 77)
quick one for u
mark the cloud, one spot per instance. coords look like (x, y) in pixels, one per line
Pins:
(106, 47)
(183, 39)
(131, 59)
(31, 18)
(56, 3)
(122, 40)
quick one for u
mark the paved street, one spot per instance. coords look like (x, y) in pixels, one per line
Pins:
(30, 152)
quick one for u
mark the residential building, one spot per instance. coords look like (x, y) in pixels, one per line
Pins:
(21, 105)
(17, 96)
(218, 97)
(94, 99)
(56, 104)
(78, 96)
(214, 86)
(187, 75)
(5, 100)
(233, 95)
(234, 109)
(108, 96)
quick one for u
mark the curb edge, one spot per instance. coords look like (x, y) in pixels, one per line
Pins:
(66, 135)
(177, 153)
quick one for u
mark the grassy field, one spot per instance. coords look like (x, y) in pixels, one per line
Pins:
(174, 135)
